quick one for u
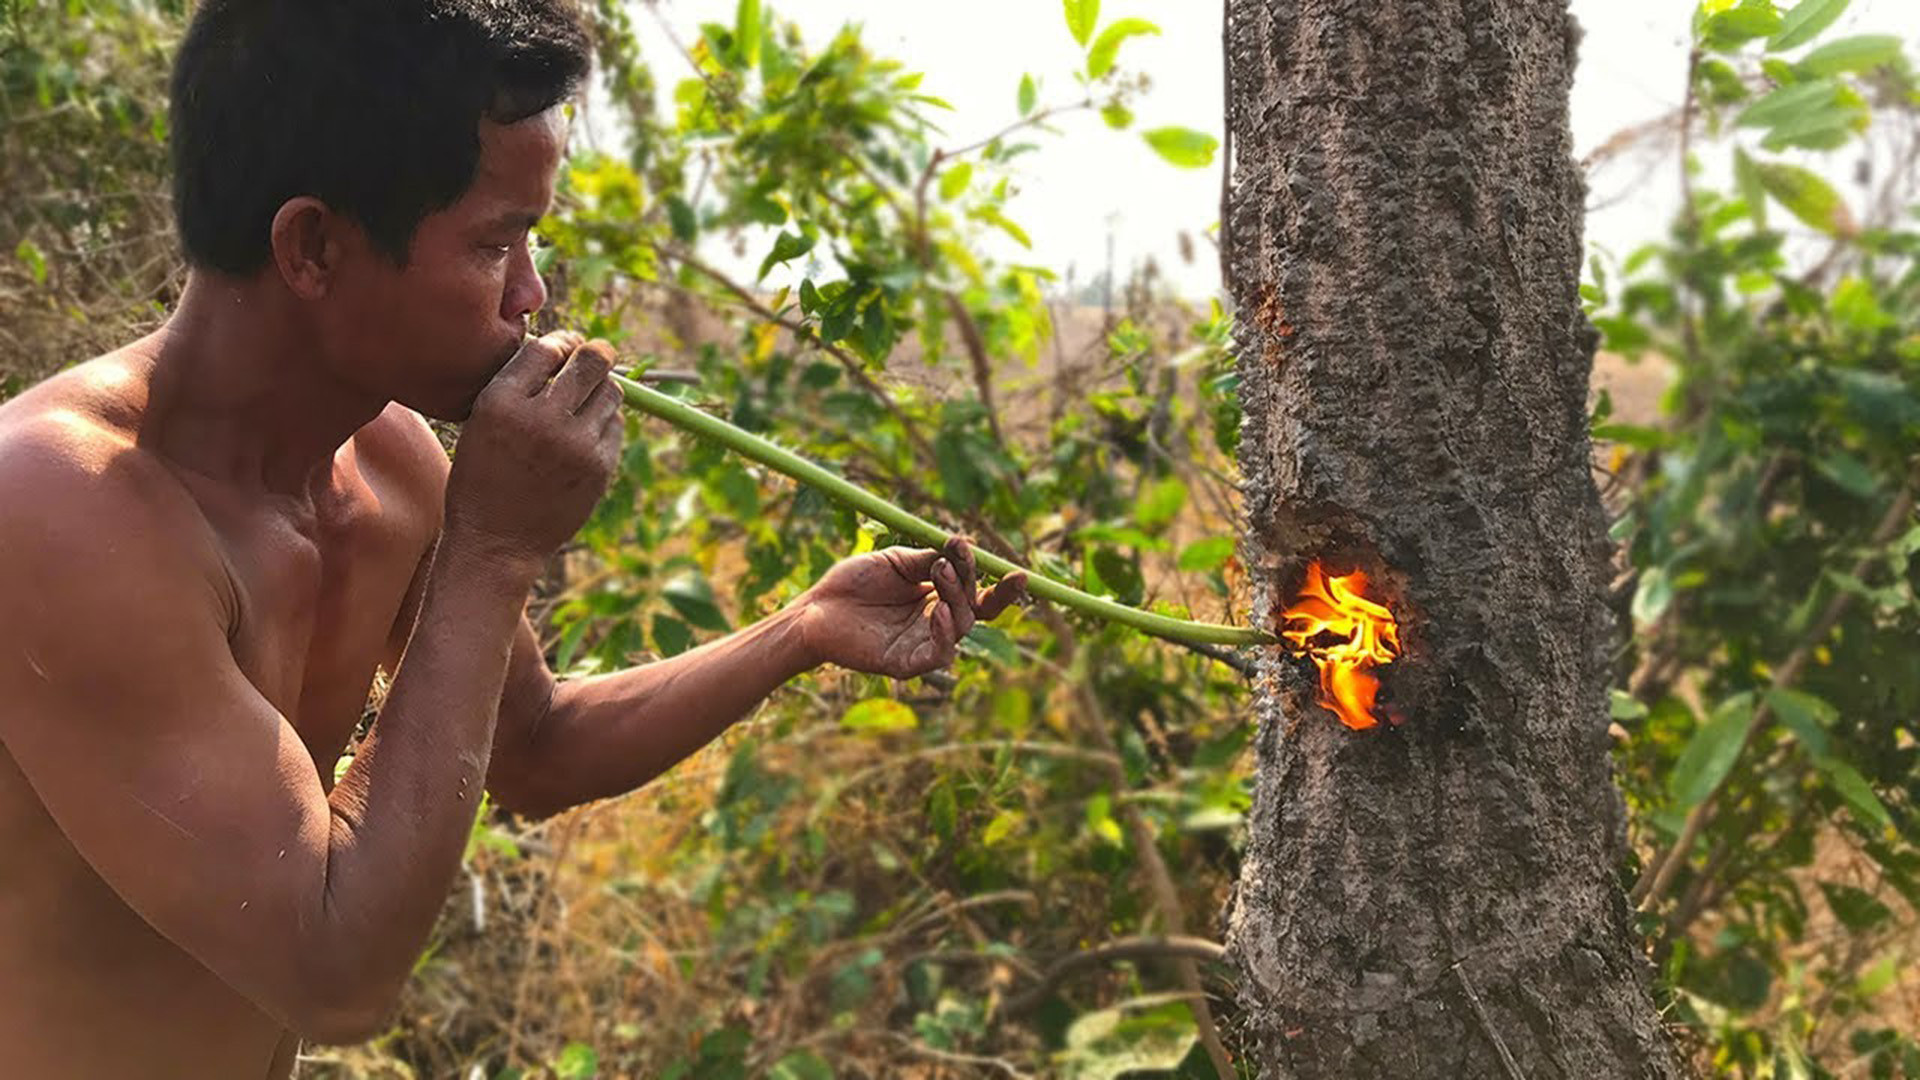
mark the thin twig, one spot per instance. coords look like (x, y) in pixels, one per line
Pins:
(1486, 1024)
(1188, 949)
(954, 1057)
(1033, 120)
(1690, 221)
(982, 370)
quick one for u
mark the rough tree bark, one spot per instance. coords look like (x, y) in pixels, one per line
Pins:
(1434, 898)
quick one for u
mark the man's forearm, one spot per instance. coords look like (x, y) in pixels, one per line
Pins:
(404, 810)
(609, 734)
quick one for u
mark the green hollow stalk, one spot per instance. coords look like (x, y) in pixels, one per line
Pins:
(755, 448)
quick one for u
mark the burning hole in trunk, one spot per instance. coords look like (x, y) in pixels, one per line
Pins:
(1347, 634)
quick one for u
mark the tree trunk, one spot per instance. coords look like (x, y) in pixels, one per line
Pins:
(1434, 897)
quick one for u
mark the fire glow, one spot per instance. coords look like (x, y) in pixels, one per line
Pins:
(1347, 635)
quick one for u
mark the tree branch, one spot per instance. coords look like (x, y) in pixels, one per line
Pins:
(1187, 950)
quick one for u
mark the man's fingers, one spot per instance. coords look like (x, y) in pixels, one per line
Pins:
(1011, 590)
(602, 401)
(946, 582)
(946, 637)
(536, 362)
(959, 552)
(585, 371)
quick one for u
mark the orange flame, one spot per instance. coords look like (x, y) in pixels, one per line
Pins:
(1368, 635)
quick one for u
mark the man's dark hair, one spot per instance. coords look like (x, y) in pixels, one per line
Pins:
(371, 106)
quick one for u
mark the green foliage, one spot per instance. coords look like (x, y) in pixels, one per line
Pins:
(86, 245)
(1769, 528)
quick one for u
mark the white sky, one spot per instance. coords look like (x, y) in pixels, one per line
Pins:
(1093, 180)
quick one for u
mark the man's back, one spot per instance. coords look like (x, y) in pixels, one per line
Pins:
(307, 595)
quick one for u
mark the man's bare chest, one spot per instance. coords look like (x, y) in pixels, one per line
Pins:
(318, 597)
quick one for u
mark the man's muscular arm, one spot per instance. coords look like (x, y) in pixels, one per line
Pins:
(188, 792)
(898, 612)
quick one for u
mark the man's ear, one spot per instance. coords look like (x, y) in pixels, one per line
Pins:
(308, 246)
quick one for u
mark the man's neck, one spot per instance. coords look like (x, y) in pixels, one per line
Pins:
(241, 393)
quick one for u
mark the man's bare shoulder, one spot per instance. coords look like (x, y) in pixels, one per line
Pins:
(84, 500)
(403, 447)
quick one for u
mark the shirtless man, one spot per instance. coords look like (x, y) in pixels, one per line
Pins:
(212, 536)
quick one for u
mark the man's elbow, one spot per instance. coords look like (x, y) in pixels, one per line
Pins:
(520, 791)
(337, 1007)
(344, 1023)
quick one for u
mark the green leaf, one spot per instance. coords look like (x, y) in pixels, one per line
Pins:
(577, 1062)
(1805, 195)
(1856, 908)
(992, 643)
(1790, 102)
(1879, 977)
(1081, 17)
(1206, 556)
(1849, 472)
(1854, 305)
(1804, 22)
(746, 32)
(1730, 29)
(1748, 180)
(1851, 54)
(1001, 827)
(680, 216)
(1720, 84)
(943, 809)
(1853, 788)
(1159, 502)
(1106, 47)
(1624, 706)
(1634, 435)
(879, 714)
(1184, 147)
(1711, 752)
(1100, 820)
(29, 253)
(1109, 572)
(1029, 94)
(692, 596)
(1652, 595)
(993, 215)
(787, 246)
(1808, 717)
(1145, 1035)
(954, 181)
(800, 1065)
(1828, 130)
(671, 637)
(1117, 116)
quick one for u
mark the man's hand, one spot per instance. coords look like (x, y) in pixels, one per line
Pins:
(537, 453)
(901, 611)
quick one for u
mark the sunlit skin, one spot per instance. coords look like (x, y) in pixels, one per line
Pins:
(213, 537)
(1347, 635)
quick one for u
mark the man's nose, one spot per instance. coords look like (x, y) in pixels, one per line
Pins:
(526, 293)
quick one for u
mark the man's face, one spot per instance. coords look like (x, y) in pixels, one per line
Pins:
(431, 335)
